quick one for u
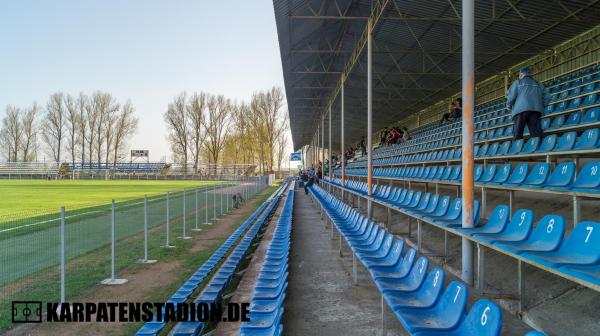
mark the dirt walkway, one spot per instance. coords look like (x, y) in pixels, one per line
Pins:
(142, 282)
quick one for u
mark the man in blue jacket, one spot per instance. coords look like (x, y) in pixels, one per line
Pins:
(527, 100)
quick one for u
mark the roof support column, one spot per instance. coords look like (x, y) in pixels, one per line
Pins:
(369, 115)
(342, 147)
(468, 98)
(329, 151)
(323, 147)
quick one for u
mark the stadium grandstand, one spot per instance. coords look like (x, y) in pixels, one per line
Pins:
(463, 227)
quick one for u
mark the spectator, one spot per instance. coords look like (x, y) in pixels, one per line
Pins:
(454, 111)
(527, 100)
(326, 168)
(394, 136)
(384, 137)
(405, 134)
(362, 147)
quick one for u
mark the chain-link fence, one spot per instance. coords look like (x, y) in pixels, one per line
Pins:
(57, 256)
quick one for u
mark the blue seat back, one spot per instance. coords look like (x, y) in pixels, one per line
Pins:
(442, 206)
(502, 173)
(516, 147)
(484, 319)
(453, 303)
(589, 176)
(477, 172)
(573, 118)
(539, 174)
(520, 224)
(432, 287)
(558, 122)
(547, 144)
(498, 218)
(503, 149)
(588, 139)
(592, 115)
(519, 174)
(548, 233)
(566, 142)
(531, 145)
(489, 173)
(584, 242)
(563, 175)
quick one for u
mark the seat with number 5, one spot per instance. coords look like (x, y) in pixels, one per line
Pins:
(582, 247)
(546, 237)
(446, 315)
(484, 319)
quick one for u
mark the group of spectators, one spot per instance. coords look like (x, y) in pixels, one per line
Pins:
(394, 135)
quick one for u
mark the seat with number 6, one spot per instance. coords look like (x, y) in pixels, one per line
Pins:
(484, 319)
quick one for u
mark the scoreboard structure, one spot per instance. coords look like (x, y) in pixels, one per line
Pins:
(140, 154)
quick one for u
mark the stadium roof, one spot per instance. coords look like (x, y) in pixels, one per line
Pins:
(416, 52)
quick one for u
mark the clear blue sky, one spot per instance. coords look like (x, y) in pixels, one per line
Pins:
(145, 50)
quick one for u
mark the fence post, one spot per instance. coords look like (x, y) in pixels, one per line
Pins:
(221, 207)
(214, 206)
(62, 255)
(227, 198)
(183, 235)
(206, 222)
(145, 260)
(112, 280)
(167, 245)
(197, 214)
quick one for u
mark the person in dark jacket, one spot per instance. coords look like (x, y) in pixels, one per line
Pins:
(527, 100)
(454, 111)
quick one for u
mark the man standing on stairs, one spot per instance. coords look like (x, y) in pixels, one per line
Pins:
(527, 100)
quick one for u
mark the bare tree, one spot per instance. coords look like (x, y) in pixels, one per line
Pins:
(82, 124)
(196, 128)
(217, 124)
(105, 107)
(12, 132)
(54, 125)
(72, 125)
(92, 121)
(267, 122)
(175, 117)
(30, 129)
(281, 144)
(125, 126)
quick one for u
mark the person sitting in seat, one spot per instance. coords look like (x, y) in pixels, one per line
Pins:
(454, 111)
(527, 100)
(394, 136)
(405, 135)
(383, 140)
(362, 146)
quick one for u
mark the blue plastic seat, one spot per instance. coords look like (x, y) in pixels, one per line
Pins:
(590, 273)
(566, 142)
(515, 147)
(518, 228)
(503, 149)
(410, 283)
(484, 319)
(488, 174)
(398, 271)
(538, 176)
(446, 315)
(558, 121)
(582, 247)
(548, 144)
(495, 224)
(591, 116)
(588, 179)
(477, 172)
(427, 296)
(562, 176)
(574, 118)
(588, 139)
(519, 174)
(502, 174)
(546, 237)
(531, 145)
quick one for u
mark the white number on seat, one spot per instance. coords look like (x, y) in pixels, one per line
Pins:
(590, 229)
(594, 170)
(435, 280)
(484, 315)
(457, 205)
(445, 202)
(501, 214)
(550, 226)
(522, 170)
(457, 292)
(541, 170)
(422, 268)
(522, 218)
(564, 170)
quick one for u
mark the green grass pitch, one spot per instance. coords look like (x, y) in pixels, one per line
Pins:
(30, 196)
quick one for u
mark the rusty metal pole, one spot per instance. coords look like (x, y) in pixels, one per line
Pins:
(329, 151)
(468, 94)
(369, 116)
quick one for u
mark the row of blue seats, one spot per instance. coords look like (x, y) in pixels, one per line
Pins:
(215, 288)
(266, 307)
(563, 178)
(578, 255)
(415, 294)
(583, 94)
(568, 141)
(202, 273)
(551, 144)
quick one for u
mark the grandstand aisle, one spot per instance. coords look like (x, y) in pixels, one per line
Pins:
(321, 297)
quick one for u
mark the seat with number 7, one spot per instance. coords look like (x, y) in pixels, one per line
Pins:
(582, 247)
(484, 319)
(446, 315)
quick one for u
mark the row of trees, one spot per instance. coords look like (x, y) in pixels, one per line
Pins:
(209, 127)
(93, 129)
